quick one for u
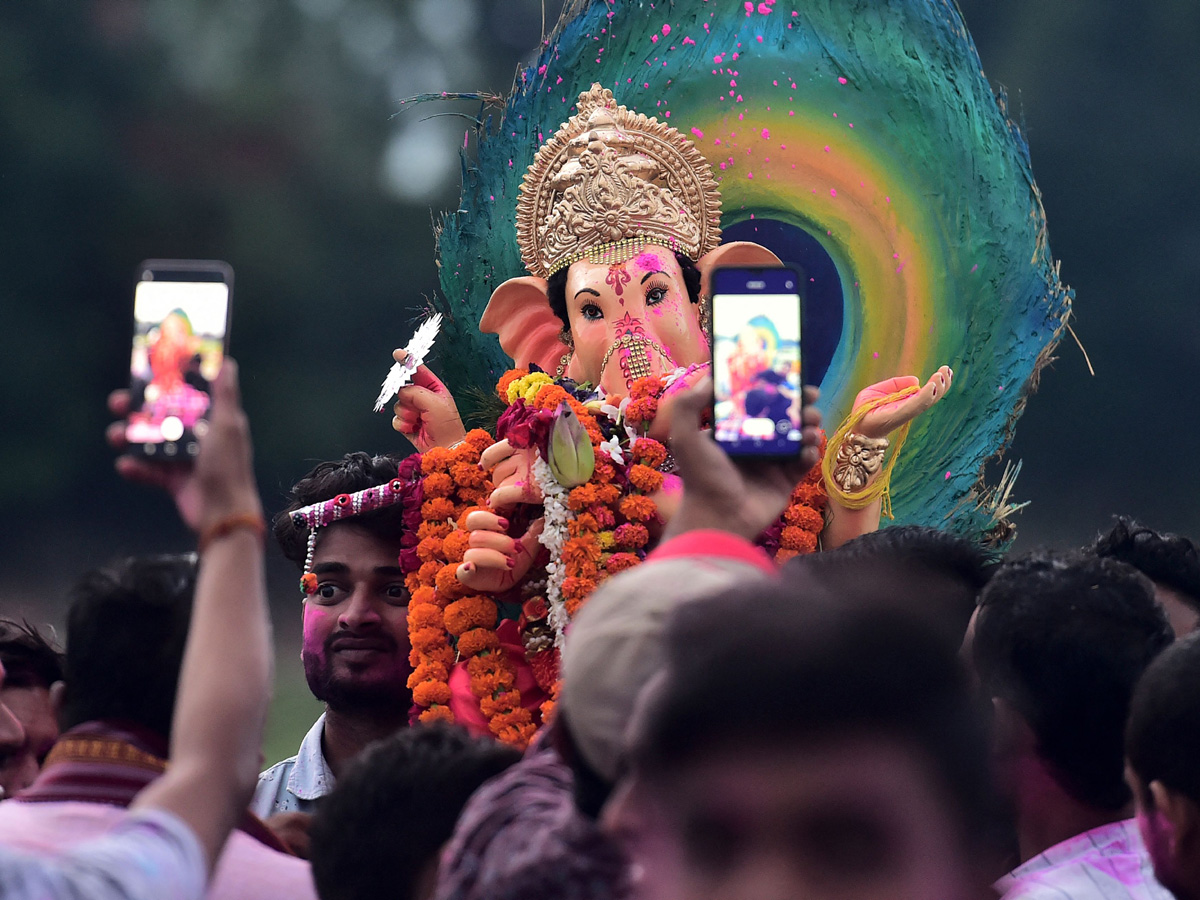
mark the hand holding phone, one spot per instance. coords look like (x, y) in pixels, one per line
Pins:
(758, 372)
(727, 493)
(180, 336)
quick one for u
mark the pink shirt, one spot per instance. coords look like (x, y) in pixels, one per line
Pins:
(1106, 863)
(246, 870)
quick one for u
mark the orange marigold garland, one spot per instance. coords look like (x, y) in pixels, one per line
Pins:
(441, 608)
(798, 530)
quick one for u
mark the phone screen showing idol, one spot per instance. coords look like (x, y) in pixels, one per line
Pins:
(180, 332)
(757, 364)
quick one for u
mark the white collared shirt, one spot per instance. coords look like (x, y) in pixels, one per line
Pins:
(295, 784)
(1105, 863)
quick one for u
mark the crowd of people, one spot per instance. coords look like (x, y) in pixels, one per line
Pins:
(904, 716)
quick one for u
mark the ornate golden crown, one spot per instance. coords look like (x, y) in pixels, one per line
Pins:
(610, 181)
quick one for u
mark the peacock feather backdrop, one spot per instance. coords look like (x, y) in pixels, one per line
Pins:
(861, 142)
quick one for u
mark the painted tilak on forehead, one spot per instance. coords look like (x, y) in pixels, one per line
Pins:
(618, 276)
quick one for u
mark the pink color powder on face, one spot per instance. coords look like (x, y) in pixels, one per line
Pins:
(649, 261)
(317, 628)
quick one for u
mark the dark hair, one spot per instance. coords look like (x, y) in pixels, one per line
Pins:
(353, 472)
(394, 808)
(29, 659)
(589, 788)
(1162, 739)
(556, 287)
(125, 635)
(776, 668)
(1169, 559)
(926, 570)
(1064, 639)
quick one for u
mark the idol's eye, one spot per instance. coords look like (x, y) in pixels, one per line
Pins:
(656, 295)
(591, 312)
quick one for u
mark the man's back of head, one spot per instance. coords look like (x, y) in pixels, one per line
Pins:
(380, 831)
(1163, 750)
(1061, 640)
(126, 630)
(922, 569)
(1171, 561)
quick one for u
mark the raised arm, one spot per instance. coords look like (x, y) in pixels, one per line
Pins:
(224, 683)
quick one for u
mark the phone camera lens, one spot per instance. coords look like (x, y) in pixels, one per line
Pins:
(789, 285)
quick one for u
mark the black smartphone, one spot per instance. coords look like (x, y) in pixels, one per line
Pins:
(758, 366)
(180, 335)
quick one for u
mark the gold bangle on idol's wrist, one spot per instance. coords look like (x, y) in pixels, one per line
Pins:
(859, 460)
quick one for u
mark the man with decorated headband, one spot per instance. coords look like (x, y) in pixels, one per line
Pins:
(346, 526)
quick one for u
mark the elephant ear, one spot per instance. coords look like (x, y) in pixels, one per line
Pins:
(735, 253)
(519, 313)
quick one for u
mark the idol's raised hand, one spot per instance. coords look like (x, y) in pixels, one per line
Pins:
(885, 419)
(511, 469)
(425, 411)
(494, 561)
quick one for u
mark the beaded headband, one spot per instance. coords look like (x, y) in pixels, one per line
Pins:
(343, 506)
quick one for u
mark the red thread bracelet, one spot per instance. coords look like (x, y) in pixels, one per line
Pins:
(252, 521)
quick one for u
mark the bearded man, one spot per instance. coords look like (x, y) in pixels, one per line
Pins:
(355, 646)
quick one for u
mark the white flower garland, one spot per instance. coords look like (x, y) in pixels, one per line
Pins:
(553, 537)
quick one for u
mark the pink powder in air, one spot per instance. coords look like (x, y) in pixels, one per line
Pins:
(698, 133)
(766, 134)
(841, 80)
(654, 38)
(718, 58)
(666, 29)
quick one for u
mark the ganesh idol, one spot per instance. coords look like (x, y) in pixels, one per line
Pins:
(618, 226)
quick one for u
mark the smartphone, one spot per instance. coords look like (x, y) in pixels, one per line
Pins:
(180, 336)
(758, 366)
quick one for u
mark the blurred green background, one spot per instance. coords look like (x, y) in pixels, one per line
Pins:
(268, 133)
